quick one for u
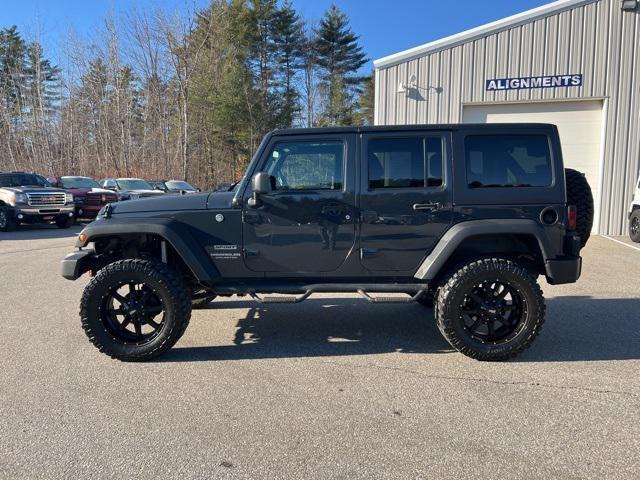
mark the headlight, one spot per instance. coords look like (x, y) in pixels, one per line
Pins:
(78, 199)
(68, 197)
(17, 198)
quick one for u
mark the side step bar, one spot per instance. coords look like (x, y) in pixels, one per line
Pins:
(296, 293)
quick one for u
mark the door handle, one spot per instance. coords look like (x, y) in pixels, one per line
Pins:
(427, 206)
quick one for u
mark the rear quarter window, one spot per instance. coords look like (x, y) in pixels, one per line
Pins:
(503, 161)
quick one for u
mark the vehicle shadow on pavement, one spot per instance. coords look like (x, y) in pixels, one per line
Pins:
(321, 327)
(577, 328)
(41, 232)
(583, 329)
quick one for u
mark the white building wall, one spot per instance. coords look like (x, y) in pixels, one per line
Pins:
(592, 37)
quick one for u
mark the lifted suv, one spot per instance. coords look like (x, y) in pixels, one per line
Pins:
(29, 198)
(465, 217)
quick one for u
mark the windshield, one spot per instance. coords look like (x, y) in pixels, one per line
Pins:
(23, 180)
(79, 182)
(179, 185)
(133, 184)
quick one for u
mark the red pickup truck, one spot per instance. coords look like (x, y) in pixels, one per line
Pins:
(88, 196)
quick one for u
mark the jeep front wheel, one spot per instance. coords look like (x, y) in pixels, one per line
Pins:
(490, 309)
(134, 310)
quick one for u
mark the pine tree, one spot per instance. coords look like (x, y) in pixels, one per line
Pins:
(289, 42)
(339, 57)
(366, 102)
(13, 50)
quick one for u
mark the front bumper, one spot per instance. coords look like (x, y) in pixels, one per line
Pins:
(28, 214)
(74, 265)
(88, 211)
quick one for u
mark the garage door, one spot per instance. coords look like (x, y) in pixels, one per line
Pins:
(579, 124)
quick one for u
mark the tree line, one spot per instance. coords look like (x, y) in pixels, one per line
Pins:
(188, 95)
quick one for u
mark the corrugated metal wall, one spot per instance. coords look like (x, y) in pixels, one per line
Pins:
(597, 39)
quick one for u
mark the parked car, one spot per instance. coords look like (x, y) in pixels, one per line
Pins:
(88, 196)
(173, 186)
(634, 215)
(29, 198)
(369, 210)
(130, 188)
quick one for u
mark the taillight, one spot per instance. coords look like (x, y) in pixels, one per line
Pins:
(572, 215)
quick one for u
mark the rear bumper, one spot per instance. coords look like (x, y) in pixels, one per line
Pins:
(77, 263)
(563, 270)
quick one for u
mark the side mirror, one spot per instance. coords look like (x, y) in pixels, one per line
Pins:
(261, 183)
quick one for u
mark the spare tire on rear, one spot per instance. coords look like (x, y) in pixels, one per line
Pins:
(579, 194)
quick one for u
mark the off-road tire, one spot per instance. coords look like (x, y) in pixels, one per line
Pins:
(166, 283)
(451, 323)
(579, 194)
(634, 226)
(7, 222)
(65, 222)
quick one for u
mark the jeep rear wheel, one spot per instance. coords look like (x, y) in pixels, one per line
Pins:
(579, 194)
(634, 226)
(134, 310)
(490, 309)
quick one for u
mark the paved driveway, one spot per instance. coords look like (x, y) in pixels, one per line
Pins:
(330, 388)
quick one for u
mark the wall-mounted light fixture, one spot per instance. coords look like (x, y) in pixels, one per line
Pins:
(629, 5)
(412, 83)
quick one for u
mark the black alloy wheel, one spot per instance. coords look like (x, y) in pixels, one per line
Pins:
(492, 310)
(133, 312)
(135, 309)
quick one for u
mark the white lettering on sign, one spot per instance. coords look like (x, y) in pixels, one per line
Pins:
(543, 81)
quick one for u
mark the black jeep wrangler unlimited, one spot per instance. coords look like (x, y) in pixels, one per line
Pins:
(461, 217)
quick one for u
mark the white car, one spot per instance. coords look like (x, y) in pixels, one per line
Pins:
(634, 215)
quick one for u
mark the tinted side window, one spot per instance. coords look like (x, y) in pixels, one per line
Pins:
(306, 165)
(400, 162)
(508, 161)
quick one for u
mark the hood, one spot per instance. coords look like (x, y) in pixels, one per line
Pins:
(33, 189)
(219, 199)
(162, 203)
(143, 192)
(84, 191)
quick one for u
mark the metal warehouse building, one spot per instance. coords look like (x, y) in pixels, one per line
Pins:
(574, 63)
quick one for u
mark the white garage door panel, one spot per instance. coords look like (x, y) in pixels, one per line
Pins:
(579, 125)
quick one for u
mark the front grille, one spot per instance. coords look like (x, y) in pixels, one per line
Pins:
(46, 199)
(99, 198)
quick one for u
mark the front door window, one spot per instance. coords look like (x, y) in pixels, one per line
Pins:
(306, 166)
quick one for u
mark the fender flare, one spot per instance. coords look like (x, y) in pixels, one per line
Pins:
(450, 241)
(174, 232)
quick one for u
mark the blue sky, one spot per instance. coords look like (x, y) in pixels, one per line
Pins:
(384, 26)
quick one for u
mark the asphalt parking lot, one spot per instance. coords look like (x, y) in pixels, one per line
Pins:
(330, 388)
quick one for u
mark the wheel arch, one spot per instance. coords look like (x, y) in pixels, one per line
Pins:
(524, 240)
(176, 234)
